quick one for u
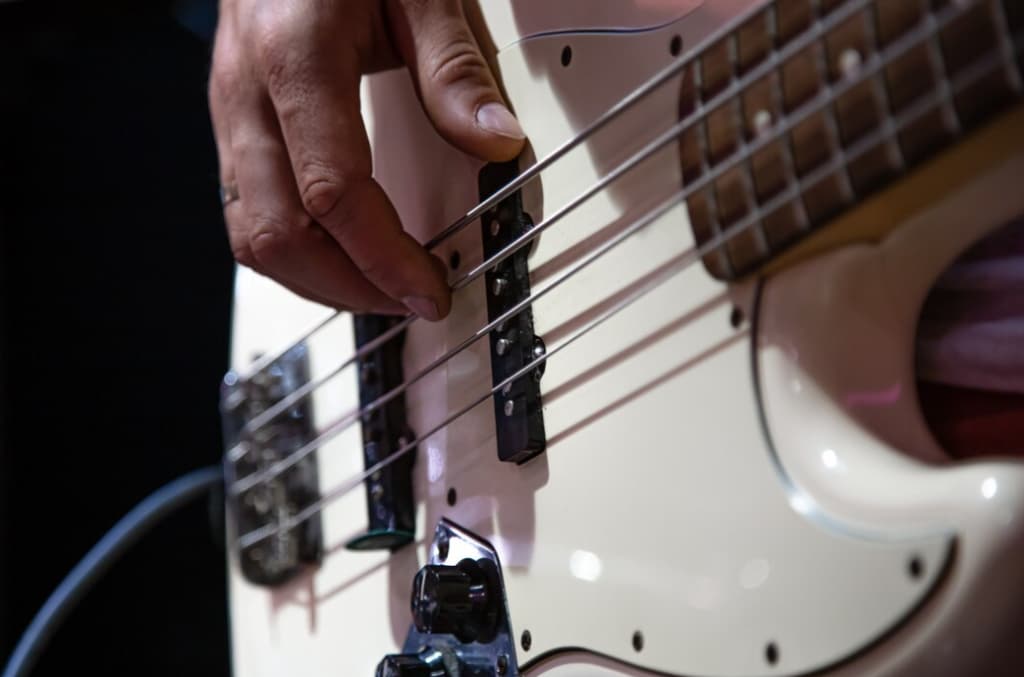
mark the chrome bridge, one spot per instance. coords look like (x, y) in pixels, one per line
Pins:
(255, 449)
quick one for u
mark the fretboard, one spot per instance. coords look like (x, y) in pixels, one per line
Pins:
(809, 106)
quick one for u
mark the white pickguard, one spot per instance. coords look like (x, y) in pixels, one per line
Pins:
(658, 506)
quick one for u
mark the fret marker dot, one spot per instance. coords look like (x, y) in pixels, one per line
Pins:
(849, 62)
(762, 122)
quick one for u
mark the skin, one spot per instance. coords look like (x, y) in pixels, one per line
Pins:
(284, 99)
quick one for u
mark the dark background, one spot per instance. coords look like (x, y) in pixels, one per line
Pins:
(115, 284)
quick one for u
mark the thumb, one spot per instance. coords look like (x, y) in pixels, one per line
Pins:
(454, 82)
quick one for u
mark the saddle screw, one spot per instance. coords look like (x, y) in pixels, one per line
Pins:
(510, 407)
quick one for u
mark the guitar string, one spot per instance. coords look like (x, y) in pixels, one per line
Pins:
(696, 116)
(814, 33)
(828, 93)
(967, 78)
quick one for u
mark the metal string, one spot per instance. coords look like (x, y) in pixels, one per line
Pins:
(964, 80)
(814, 33)
(736, 86)
(828, 94)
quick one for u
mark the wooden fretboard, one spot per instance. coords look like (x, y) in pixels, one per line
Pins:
(809, 106)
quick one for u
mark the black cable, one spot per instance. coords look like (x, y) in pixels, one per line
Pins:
(128, 530)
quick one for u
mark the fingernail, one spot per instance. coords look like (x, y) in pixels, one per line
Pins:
(495, 118)
(423, 307)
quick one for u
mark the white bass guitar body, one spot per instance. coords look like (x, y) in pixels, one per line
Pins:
(722, 469)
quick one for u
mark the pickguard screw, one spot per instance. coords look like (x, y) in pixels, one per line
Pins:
(526, 640)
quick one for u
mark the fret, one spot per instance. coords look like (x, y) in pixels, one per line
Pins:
(732, 191)
(867, 177)
(825, 172)
(938, 70)
(968, 37)
(691, 149)
(808, 105)
(703, 206)
(1001, 20)
(994, 90)
(857, 111)
(788, 222)
(822, 204)
(760, 239)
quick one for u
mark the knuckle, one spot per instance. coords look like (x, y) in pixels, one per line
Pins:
(457, 60)
(271, 237)
(243, 253)
(322, 192)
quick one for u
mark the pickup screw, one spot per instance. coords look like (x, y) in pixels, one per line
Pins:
(502, 345)
(510, 407)
(499, 285)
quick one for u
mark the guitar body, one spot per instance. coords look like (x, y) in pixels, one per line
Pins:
(737, 478)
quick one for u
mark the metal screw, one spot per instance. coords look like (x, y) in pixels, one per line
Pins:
(510, 407)
(507, 388)
(501, 346)
(499, 285)
(442, 546)
(502, 664)
(495, 227)
(526, 640)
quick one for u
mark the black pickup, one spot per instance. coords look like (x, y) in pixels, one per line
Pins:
(519, 421)
(389, 500)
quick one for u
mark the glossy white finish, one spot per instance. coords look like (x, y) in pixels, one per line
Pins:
(836, 342)
(658, 505)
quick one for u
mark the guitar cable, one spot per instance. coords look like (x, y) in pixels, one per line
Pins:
(122, 536)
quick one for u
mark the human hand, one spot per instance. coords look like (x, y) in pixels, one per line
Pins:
(284, 98)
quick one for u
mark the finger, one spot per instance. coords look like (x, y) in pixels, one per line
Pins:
(283, 239)
(454, 81)
(314, 86)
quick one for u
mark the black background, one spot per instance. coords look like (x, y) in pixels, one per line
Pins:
(116, 284)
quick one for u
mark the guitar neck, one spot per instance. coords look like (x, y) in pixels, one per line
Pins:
(806, 107)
